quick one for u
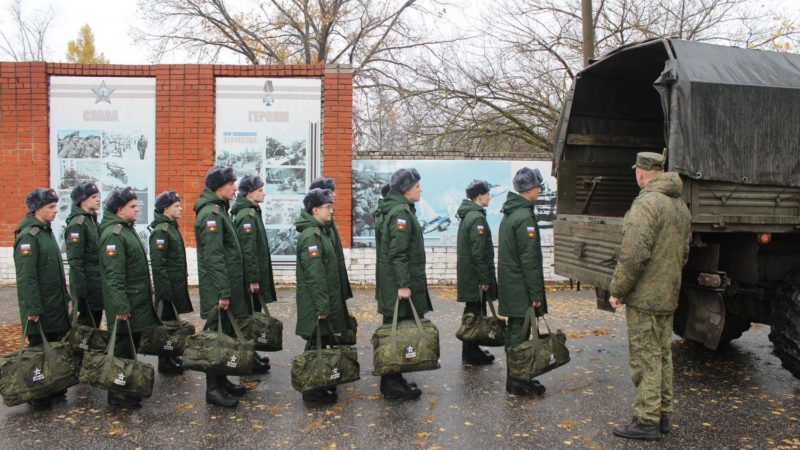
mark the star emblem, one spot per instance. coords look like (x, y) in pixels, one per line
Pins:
(268, 99)
(103, 93)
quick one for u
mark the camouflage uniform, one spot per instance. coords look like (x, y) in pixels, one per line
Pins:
(647, 279)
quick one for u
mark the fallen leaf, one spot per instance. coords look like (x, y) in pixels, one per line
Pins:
(184, 406)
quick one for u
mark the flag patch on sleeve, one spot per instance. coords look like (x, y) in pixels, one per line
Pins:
(211, 225)
(531, 232)
(248, 227)
(480, 230)
(111, 250)
(401, 224)
(25, 249)
(160, 244)
(313, 251)
(74, 238)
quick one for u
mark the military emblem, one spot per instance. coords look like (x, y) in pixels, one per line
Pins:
(401, 224)
(25, 249)
(211, 225)
(313, 251)
(120, 380)
(84, 345)
(552, 359)
(74, 238)
(335, 374)
(233, 362)
(247, 227)
(268, 99)
(37, 375)
(168, 345)
(410, 353)
(531, 232)
(262, 338)
(160, 244)
(111, 250)
(480, 230)
(103, 93)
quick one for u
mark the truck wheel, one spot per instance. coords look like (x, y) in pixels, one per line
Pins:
(785, 324)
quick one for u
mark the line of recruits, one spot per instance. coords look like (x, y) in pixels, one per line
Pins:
(109, 268)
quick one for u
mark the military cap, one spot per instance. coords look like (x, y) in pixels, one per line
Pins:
(119, 197)
(40, 197)
(165, 200)
(219, 176)
(649, 161)
(526, 179)
(83, 190)
(476, 188)
(250, 183)
(323, 183)
(317, 197)
(404, 179)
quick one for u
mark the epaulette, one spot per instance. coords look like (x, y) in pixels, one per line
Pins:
(215, 208)
(33, 231)
(118, 228)
(408, 207)
(80, 220)
(165, 226)
(252, 212)
(317, 231)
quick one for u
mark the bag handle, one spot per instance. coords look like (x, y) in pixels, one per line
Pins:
(74, 313)
(397, 310)
(112, 344)
(263, 303)
(485, 300)
(48, 353)
(160, 309)
(216, 314)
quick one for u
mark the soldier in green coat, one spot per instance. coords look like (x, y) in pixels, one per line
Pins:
(520, 273)
(170, 275)
(255, 248)
(220, 269)
(319, 294)
(333, 232)
(475, 265)
(41, 285)
(647, 279)
(400, 272)
(81, 237)
(127, 293)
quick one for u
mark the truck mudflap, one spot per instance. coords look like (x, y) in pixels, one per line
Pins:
(586, 247)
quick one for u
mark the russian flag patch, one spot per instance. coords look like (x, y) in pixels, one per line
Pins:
(401, 224)
(211, 225)
(480, 230)
(111, 250)
(531, 232)
(247, 227)
(160, 244)
(25, 249)
(313, 251)
(74, 238)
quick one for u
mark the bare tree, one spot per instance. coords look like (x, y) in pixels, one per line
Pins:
(24, 40)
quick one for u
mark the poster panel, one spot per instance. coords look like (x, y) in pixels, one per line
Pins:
(102, 129)
(443, 189)
(270, 127)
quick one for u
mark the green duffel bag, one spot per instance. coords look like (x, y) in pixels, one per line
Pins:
(169, 339)
(217, 353)
(349, 336)
(127, 376)
(408, 346)
(82, 337)
(263, 329)
(37, 372)
(483, 330)
(539, 354)
(325, 367)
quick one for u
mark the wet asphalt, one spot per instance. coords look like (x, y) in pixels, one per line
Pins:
(738, 397)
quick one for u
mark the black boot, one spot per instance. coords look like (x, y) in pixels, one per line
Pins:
(58, 396)
(395, 387)
(236, 390)
(518, 387)
(638, 430)
(536, 387)
(665, 425)
(122, 400)
(264, 359)
(169, 366)
(259, 366)
(321, 396)
(216, 394)
(473, 355)
(40, 403)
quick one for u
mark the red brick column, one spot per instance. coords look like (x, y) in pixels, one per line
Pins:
(337, 143)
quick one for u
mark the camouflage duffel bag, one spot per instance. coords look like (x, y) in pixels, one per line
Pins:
(483, 330)
(217, 353)
(408, 346)
(83, 337)
(37, 372)
(348, 337)
(169, 339)
(325, 367)
(127, 376)
(263, 329)
(539, 354)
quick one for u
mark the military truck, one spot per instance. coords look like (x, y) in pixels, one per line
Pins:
(729, 121)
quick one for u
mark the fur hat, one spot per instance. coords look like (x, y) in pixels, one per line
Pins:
(404, 179)
(323, 183)
(165, 200)
(317, 197)
(219, 176)
(385, 189)
(476, 188)
(250, 183)
(527, 179)
(40, 197)
(119, 197)
(83, 190)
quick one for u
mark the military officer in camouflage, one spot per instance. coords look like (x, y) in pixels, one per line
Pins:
(333, 233)
(520, 275)
(252, 236)
(220, 269)
(475, 264)
(170, 275)
(41, 285)
(647, 280)
(81, 237)
(127, 293)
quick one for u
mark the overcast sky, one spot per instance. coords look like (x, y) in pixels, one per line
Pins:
(112, 20)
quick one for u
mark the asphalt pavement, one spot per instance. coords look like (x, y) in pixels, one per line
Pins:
(738, 397)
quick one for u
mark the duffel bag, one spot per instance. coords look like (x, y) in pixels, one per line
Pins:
(408, 346)
(539, 354)
(168, 339)
(126, 376)
(83, 337)
(483, 330)
(325, 367)
(217, 353)
(264, 330)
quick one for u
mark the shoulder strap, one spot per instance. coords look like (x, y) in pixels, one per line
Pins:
(165, 226)
(252, 212)
(317, 231)
(80, 219)
(408, 207)
(33, 231)
(118, 228)
(215, 208)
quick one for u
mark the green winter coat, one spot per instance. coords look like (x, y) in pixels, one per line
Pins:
(168, 260)
(475, 264)
(81, 238)
(401, 257)
(655, 247)
(41, 285)
(318, 283)
(520, 275)
(255, 248)
(126, 275)
(333, 233)
(220, 263)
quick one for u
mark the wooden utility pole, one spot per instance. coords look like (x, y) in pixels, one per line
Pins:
(588, 31)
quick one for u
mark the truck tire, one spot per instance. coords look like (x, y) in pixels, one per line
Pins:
(785, 324)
